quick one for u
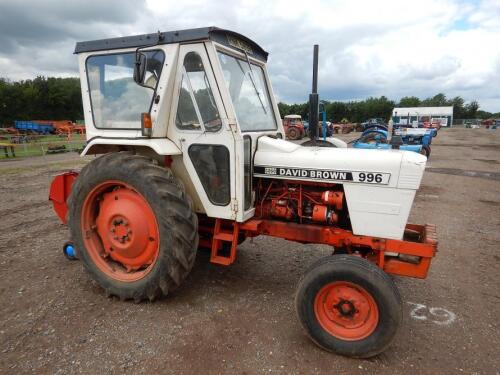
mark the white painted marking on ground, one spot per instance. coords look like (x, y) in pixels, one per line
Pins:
(436, 315)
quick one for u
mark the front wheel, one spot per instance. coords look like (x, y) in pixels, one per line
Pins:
(348, 306)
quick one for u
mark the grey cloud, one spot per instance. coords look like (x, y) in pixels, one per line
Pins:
(40, 23)
(37, 37)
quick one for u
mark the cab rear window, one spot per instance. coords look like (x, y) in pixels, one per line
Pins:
(117, 101)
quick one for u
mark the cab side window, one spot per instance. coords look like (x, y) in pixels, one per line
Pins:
(196, 109)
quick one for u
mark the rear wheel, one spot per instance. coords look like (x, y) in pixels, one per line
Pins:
(293, 134)
(133, 226)
(348, 306)
(373, 137)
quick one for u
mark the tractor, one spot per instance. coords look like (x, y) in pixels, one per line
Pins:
(412, 139)
(192, 155)
(294, 128)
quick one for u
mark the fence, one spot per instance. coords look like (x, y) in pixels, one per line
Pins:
(23, 145)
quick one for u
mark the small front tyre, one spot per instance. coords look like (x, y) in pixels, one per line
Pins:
(349, 306)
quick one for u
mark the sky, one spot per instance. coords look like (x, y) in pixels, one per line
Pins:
(367, 48)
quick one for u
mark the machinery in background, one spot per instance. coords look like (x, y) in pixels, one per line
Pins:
(376, 136)
(47, 127)
(294, 127)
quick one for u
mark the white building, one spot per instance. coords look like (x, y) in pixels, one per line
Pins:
(423, 114)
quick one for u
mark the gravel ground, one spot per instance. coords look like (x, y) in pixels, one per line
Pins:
(55, 320)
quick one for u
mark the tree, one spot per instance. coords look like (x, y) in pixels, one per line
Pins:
(471, 109)
(438, 100)
(409, 101)
(40, 99)
(458, 107)
(485, 115)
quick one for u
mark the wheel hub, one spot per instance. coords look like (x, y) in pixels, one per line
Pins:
(121, 231)
(122, 234)
(346, 310)
(123, 227)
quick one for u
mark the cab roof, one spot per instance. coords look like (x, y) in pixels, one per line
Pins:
(228, 38)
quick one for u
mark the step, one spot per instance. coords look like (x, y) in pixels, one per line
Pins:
(225, 261)
(224, 236)
(251, 225)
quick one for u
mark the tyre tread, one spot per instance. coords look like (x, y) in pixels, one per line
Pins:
(175, 218)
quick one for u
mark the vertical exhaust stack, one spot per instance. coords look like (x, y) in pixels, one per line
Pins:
(314, 99)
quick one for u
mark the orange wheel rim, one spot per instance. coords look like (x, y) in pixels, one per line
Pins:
(346, 311)
(120, 231)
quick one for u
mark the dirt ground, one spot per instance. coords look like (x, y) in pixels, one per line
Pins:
(55, 320)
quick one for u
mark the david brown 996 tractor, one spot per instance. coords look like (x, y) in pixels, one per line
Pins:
(194, 156)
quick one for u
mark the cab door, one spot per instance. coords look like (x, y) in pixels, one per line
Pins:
(201, 128)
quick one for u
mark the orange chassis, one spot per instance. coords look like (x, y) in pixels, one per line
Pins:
(408, 257)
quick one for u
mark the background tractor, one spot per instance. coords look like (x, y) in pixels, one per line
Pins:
(412, 139)
(193, 155)
(293, 126)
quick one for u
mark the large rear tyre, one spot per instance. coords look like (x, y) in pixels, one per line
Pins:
(373, 137)
(348, 306)
(133, 226)
(293, 134)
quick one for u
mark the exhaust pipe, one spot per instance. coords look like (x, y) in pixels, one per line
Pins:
(314, 99)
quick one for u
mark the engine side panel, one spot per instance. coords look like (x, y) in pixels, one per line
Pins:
(378, 212)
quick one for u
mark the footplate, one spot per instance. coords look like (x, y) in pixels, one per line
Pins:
(412, 256)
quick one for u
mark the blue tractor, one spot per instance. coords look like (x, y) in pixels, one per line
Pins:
(417, 136)
(416, 140)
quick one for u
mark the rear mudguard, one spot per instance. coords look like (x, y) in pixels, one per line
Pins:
(60, 190)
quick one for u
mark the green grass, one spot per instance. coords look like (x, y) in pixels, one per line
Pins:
(41, 146)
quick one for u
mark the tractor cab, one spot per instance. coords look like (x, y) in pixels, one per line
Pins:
(202, 97)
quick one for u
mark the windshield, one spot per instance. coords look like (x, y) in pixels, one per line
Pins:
(247, 86)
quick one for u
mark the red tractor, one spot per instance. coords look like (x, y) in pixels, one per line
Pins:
(294, 128)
